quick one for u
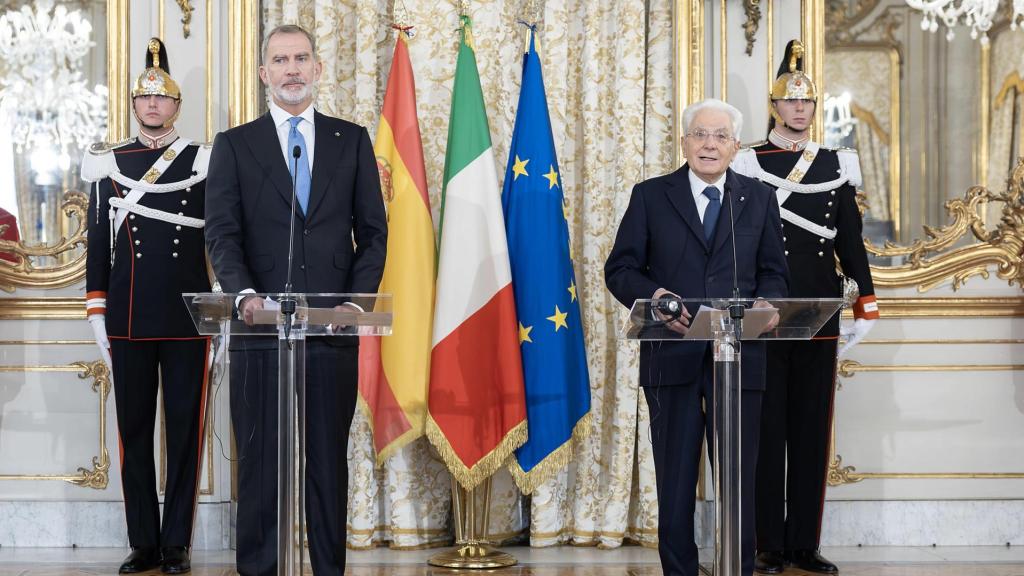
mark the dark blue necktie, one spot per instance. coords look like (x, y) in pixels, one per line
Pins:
(302, 181)
(711, 212)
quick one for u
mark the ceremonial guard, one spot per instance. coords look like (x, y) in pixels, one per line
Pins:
(145, 248)
(816, 189)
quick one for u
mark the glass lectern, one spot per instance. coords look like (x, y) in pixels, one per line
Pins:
(726, 323)
(292, 318)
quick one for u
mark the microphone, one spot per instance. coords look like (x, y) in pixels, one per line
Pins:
(288, 302)
(736, 309)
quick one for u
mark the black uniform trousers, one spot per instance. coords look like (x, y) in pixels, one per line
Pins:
(139, 368)
(331, 387)
(795, 424)
(680, 418)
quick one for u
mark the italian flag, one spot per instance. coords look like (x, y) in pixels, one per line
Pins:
(477, 405)
(394, 371)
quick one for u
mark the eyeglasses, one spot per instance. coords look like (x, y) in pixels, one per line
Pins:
(701, 135)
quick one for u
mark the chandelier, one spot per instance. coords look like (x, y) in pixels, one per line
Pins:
(977, 14)
(44, 101)
(839, 121)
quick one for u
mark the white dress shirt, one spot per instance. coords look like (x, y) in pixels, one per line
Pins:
(307, 128)
(697, 187)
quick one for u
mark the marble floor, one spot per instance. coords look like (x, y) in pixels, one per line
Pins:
(556, 561)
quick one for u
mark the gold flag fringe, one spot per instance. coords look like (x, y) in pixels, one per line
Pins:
(397, 444)
(470, 477)
(553, 462)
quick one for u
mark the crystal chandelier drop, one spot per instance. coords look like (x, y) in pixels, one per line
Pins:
(45, 104)
(977, 14)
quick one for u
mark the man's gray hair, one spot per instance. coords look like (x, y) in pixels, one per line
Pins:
(288, 29)
(735, 115)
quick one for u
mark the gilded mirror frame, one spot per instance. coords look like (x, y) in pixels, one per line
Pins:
(21, 272)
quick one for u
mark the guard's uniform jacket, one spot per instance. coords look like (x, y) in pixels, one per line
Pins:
(820, 220)
(815, 187)
(137, 279)
(145, 248)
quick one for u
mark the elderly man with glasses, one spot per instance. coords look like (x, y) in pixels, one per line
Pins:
(676, 239)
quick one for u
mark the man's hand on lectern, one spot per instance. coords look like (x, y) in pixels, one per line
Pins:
(249, 305)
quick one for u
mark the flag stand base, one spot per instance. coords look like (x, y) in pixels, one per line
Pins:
(471, 552)
(472, 556)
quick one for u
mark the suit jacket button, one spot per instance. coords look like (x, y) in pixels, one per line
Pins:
(177, 227)
(176, 241)
(302, 266)
(138, 254)
(820, 240)
(135, 228)
(137, 242)
(786, 252)
(174, 254)
(820, 254)
(184, 202)
(131, 216)
(827, 215)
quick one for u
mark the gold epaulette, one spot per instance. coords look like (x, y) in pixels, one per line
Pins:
(104, 147)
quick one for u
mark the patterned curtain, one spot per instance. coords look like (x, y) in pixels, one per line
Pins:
(1007, 92)
(609, 76)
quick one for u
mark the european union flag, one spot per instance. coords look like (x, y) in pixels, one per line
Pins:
(550, 325)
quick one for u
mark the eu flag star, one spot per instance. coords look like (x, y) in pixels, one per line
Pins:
(524, 333)
(519, 168)
(552, 178)
(572, 291)
(559, 319)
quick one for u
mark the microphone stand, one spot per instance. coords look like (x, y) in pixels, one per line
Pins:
(288, 301)
(736, 308)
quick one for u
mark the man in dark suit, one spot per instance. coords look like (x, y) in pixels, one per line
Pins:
(675, 240)
(340, 242)
(145, 248)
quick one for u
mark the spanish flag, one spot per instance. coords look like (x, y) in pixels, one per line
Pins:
(394, 371)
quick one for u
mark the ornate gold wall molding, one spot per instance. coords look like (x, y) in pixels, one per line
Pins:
(838, 474)
(987, 307)
(244, 88)
(752, 9)
(932, 262)
(23, 271)
(45, 308)
(186, 16)
(97, 476)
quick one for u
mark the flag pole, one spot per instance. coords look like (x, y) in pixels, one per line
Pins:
(473, 550)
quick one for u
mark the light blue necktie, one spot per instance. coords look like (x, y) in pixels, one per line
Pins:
(711, 212)
(302, 181)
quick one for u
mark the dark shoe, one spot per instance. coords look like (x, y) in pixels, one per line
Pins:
(769, 563)
(175, 560)
(140, 560)
(811, 561)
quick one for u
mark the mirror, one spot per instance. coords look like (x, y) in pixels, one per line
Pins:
(930, 117)
(53, 105)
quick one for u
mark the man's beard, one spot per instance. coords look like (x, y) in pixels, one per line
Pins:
(293, 98)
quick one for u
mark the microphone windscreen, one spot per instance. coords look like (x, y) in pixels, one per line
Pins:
(296, 152)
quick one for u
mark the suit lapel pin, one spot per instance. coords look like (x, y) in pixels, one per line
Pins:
(337, 133)
(742, 198)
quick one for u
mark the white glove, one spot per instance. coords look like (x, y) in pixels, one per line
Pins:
(854, 332)
(99, 332)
